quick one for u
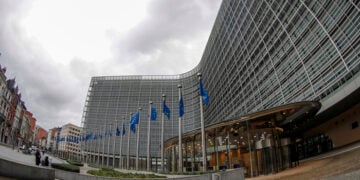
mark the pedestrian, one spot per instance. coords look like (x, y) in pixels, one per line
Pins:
(37, 157)
(42, 158)
(6, 135)
(46, 163)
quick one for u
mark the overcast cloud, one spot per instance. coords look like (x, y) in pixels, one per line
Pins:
(54, 60)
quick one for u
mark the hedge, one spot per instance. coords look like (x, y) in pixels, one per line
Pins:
(66, 167)
(76, 163)
(107, 172)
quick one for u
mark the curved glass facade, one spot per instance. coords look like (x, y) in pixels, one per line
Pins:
(260, 55)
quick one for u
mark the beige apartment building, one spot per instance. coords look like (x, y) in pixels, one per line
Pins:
(68, 143)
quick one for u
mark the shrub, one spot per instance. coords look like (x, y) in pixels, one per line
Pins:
(66, 167)
(107, 172)
(76, 163)
(93, 166)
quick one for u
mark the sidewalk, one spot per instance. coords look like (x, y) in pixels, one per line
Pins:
(342, 163)
(19, 157)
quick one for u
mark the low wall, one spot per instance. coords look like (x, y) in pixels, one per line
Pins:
(21, 171)
(232, 174)
(237, 174)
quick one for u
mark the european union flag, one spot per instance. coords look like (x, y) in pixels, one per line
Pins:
(203, 93)
(181, 107)
(166, 110)
(133, 128)
(153, 114)
(88, 136)
(135, 118)
(123, 133)
(117, 131)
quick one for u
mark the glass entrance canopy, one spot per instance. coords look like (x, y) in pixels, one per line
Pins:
(257, 142)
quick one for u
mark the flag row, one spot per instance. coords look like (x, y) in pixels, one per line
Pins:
(134, 120)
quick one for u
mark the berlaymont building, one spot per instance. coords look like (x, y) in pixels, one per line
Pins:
(283, 83)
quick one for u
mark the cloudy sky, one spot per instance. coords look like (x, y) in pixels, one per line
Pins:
(54, 47)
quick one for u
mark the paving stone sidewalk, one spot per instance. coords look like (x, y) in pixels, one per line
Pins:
(341, 164)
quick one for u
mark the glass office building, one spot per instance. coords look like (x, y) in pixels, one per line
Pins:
(282, 59)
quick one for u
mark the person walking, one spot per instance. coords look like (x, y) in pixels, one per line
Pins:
(37, 157)
(42, 158)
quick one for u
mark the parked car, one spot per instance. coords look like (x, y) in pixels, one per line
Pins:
(22, 147)
(26, 150)
(29, 150)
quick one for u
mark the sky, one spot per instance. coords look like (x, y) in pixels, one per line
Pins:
(53, 47)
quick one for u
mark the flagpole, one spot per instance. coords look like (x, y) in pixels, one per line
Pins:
(114, 145)
(121, 144)
(83, 146)
(85, 157)
(149, 134)
(108, 148)
(103, 147)
(128, 146)
(91, 144)
(98, 160)
(203, 146)
(86, 145)
(180, 167)
(94, 146)
(162, 136)
(249, 144)
(137, 143)
(88, 159)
